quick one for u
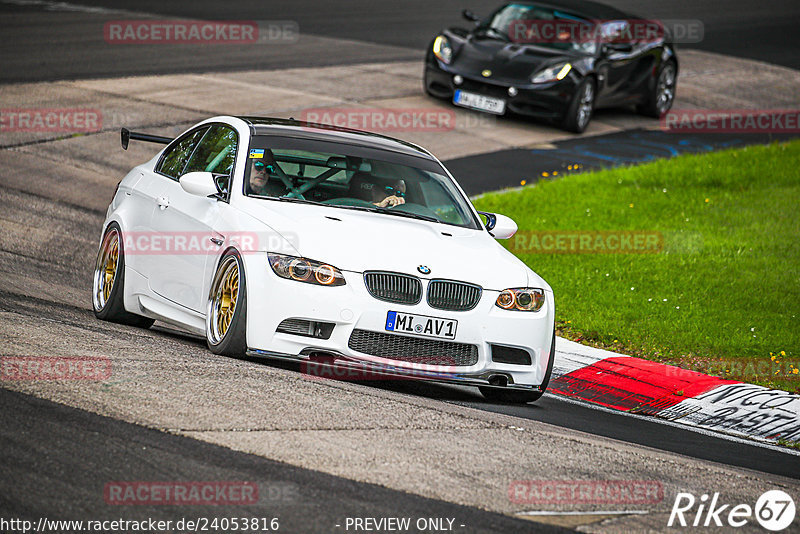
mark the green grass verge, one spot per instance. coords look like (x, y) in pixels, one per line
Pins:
(721, 296)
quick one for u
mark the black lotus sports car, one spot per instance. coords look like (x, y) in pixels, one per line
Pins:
(556, 60)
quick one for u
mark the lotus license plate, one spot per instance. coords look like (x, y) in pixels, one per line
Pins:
(479, 102)
(421, 325)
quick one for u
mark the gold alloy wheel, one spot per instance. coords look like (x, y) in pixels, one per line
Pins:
(105, 271)
(224, 297)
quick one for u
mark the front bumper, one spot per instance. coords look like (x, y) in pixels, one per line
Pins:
(271, 300)
(547, 101)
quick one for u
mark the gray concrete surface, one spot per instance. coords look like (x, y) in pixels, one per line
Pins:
(393, 439)
(168, 104)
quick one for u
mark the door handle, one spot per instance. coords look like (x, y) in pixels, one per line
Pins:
(217, 241)
(163, 202)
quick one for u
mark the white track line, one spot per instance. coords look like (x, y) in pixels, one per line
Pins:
(600, 512)
(49, 5)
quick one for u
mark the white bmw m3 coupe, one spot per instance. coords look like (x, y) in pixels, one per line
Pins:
(287, 239)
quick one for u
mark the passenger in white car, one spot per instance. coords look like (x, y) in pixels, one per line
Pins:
(258, 178)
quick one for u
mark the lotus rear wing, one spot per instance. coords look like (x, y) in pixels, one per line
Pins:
(126, 135)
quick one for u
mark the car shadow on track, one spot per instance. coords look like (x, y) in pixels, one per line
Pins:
(401, 385)
(603, 118)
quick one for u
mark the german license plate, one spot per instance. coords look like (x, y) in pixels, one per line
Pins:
(479, 102)
(421, 325)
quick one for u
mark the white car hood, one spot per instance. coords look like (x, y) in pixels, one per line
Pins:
(361, 241)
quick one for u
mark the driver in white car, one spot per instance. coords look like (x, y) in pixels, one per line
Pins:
(363, 187)
(393, 195)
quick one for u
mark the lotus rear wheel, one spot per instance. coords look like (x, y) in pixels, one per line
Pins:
(581, 108)
(660, 100)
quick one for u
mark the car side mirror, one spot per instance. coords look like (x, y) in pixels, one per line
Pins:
(499, 226)
(125, 138)
(470, 16)
(199, 183)
(617, 47)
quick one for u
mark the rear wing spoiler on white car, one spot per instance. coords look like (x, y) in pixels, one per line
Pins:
(126, 135)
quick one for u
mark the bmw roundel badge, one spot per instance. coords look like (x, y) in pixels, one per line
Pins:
(424, 269)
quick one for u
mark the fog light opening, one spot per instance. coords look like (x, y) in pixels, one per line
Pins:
(498, 380)
(458, 80)
(305, 327)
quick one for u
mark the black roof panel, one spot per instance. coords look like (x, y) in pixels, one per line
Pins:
(585, 8)
(327, 132)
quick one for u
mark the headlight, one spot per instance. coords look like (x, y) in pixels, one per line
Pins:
(442, 49)
(552, 74)
(521, 299)
(305, 270)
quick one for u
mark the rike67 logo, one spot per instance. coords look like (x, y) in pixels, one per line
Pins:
(774, 511)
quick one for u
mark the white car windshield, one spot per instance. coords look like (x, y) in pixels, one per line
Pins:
(354, 177)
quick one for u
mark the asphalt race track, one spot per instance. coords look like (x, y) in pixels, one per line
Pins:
(62, 437)
(320, 452)
(394, 31)
(554, 410)
(504, 168)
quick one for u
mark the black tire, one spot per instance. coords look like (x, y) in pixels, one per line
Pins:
(667, 81)
(578, 116)
(508, 396)
(109, 305)
(232, 340)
